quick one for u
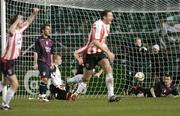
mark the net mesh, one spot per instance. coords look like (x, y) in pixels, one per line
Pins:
(152, 21)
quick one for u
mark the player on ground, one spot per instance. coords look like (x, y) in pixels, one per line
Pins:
(12, 52)
(97, 52)
(58, 89)
(43, 57)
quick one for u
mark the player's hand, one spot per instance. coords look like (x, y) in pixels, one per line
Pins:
(19, 17)
(97, 75)
(80, 61)
(35, 66)
(52, 66)
(36, 10)
(111, 56)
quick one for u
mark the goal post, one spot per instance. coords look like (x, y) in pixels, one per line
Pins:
(3, 35)
(155, 22)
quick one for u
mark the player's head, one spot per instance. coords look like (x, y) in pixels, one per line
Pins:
(46, 29)
(57, 59)
(167, 79)
(14, 18)
(138, 42)
(155, 49)
(107, 16)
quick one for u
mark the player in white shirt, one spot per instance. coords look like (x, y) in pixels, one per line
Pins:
(57, 88)
(11, 53)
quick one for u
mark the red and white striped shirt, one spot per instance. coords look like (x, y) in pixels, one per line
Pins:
(99, 31)
(14, 44)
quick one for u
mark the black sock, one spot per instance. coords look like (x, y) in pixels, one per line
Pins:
(42, 88)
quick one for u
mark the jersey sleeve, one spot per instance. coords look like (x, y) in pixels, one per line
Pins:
(24, 26)
(98, 28)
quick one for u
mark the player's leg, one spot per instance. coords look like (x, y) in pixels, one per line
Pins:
(105, 65)
(86, 77)
(76, 79)
(81, 87)
(78, 76)
(11, 79)
(44, 70)
(11, 91)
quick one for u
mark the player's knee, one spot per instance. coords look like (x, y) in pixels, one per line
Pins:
(15, 85)
(85, 80)
(108, 69)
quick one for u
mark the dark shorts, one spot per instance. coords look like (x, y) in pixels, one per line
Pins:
(44, 69)
(61, 94)
(92, 60)
(7, 67)
(79, 69)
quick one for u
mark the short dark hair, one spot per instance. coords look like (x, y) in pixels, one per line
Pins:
(44, 26)
(104, 13)
(168, 75)
(12, 19)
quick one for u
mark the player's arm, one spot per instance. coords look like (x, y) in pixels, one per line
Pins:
(35, 60)
(78, 54)
(153, 92)
(36, 55)
(30, 19)
(14, 25)
(52, 54)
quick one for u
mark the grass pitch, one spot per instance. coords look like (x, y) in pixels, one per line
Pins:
(128, 106)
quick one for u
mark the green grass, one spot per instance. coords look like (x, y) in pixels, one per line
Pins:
(129, 106)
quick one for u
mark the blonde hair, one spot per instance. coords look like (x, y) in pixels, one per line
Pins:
(55, 57)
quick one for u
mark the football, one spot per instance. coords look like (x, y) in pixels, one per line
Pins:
(139, 76)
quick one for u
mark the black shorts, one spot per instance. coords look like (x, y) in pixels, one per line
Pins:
(7, 67)
(44, 69)
(92, 60)
(79, 69)
(61, 94)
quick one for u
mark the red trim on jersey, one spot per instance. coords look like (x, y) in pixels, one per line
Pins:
(6, 49)
(101, 36)
(14, 47)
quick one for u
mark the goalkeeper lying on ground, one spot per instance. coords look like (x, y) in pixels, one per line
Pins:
(58, 89)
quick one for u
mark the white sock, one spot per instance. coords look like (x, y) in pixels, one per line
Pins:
(81, 87)
(75, 79)
(1, 86)
(9, 96)
(110, 84)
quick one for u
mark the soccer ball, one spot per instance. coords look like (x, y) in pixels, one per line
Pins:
(139, 76)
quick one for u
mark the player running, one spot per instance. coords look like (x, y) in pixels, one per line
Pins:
(11, 53)
(97, 53)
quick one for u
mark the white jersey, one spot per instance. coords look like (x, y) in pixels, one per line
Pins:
(99, 31)
(14, 44)
(56, 78)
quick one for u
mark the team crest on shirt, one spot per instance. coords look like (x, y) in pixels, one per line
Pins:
(47, 42)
